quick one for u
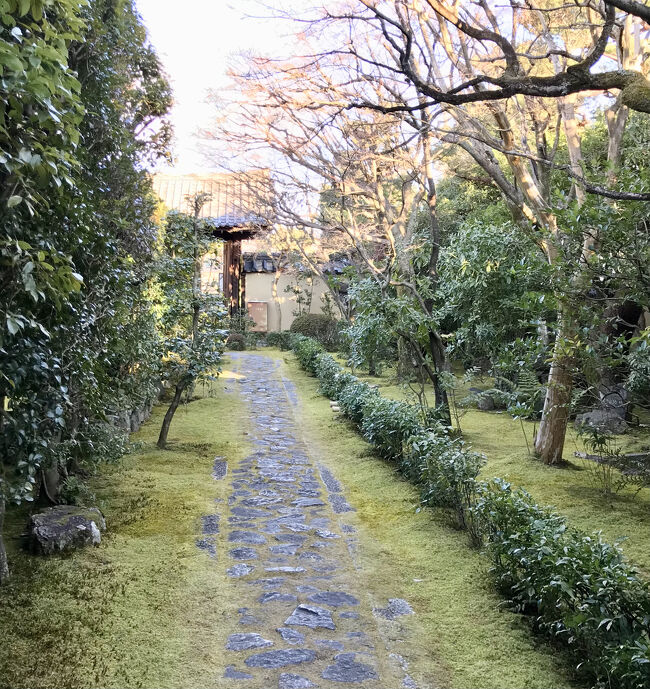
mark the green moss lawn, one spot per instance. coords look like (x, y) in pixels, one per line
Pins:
(146, 608)
(465, 639)
(571, 487)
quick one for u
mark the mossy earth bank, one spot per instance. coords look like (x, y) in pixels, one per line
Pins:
(148, 608)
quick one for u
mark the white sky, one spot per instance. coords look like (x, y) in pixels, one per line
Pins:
(194, 40)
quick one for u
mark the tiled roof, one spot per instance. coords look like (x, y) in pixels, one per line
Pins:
(236, 200)
(263, 262)
(255, 262)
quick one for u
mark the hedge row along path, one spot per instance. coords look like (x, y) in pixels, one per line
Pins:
(285, 537)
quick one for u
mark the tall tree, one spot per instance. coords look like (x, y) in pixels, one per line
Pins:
(360, 176)
(488, 75)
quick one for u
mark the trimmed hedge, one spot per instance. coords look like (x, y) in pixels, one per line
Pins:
(577, 589)
(323, 328)
(280, 339)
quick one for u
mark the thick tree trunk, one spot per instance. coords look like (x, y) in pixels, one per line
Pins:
(162, 438)
(549, 442)
(4, 563)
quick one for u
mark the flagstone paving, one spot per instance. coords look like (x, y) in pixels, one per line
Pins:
(284, 542)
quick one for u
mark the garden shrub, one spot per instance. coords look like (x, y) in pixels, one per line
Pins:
(353, 399)
(307, 349)
(331, 375)
(321, 327)
(447, 472)
(388, 425)
(579, 590)
(236, 342)
(280, 340)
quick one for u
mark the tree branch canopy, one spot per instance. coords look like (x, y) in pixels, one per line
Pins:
(480, 40)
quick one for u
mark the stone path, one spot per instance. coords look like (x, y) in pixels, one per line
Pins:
(287, 545)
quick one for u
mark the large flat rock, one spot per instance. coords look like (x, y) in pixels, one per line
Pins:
(64, 528)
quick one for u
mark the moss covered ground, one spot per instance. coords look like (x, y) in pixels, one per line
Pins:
(145, 608)
(572, 488)
(465, 639)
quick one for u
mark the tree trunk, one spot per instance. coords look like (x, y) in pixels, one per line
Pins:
(441, 364)
(51, 483)
(274, 294)
(162, 438)
(549, 442)
(4, 564)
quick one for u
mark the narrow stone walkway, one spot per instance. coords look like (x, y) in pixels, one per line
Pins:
(288, 546)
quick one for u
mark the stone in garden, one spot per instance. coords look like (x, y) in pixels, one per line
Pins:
(311, 616)
(603, 420)
(396, 608)
(294, 525)
(219, 468)
(210, 524)
(308, 502)
(240, 570)
(243, 554)
(273, 659)
(347, 669)
(333, 598)
(64, 528)
(291, 636)
(288, 681)
(328, 479)
(287, 570)
(340, 504)
(269, 584)
(286, 549)
(249, 537)
(485, 403)
(242, 642)
(232, 673)
(207, 545)
(324, 533)
(277, 596)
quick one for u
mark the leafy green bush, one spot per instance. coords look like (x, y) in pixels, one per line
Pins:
(353, 399)
(331, 375)
(580, 590)
(388, 425)
(321, 327)
(280, 340)
(447, 472)
(307, 349)
(236, 342)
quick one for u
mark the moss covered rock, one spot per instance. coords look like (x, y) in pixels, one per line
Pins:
(64, 528)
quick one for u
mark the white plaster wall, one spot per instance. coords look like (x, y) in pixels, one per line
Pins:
(280, 304)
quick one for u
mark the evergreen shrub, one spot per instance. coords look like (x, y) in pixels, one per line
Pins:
(578, 590)
(321, 327)
(279, 340)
